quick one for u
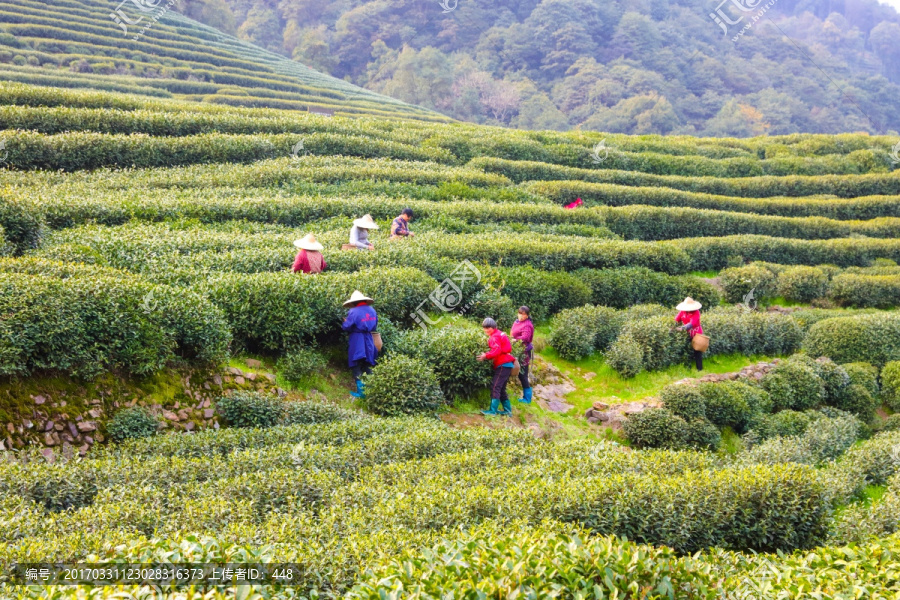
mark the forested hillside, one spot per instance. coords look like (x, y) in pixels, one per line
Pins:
(627, 66)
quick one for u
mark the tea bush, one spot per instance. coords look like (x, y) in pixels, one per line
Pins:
(251, 409)
(865, 291)
(546, 293)
(310, 413)
(301, 363)
(890, 384)
(132, 423)
(622, 288)
(739, 282)
(580, 332)
(802, 284)
(450, 353)
(685, 401)
(402, 385)
(868, 338)
(656, 428)
(731, 404)
(794, 385)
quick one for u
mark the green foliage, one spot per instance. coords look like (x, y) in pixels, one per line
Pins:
(802, 284)
(402, 385)
(701, 434)
(310, 413)
(656, 428)
(61, 491)
(580, 332)
(867, 338)
(255, 410)
(622, 288)
(890, 384)
(794, 385)
(545, 293)
(685, 401)
(731, 404)
(863, 374)
(865, 290)
(132, 423)
(450, 353)
(740, 281)
(22, 223)
(301, 363)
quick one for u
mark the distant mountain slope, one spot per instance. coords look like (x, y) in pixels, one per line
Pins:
(697, 67)
(144, 47)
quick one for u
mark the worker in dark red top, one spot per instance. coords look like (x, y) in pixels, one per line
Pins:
(500, 354)
(578, 202)
(689, 315)
(523, 330)
(309, 259)
(400, 225)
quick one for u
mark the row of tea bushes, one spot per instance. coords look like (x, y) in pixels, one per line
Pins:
(873, 338)
(863, 206)
(89, 324)
(568, 181)
(85, 151)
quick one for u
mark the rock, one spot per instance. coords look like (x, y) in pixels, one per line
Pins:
(48, 440)
(183, 415)
(89, 439)
(95, 413)
(10, 428)
(62, 402)
(79, 418)
(39, 399)
(206, 386)
(58, 426)
(48, 426)
(83, 450)
(209, 413)
(251, 376)
(48, 454)
(588, 413)
(217, 379)
(216, 425)
(189, 426)
(205, 404)
(270, 377)
(589, 376)
(239, 380)
(235, 371)
(169, 415)
(253, 363)
(177, 405)
(86, 426)
(95, 401)
(27, 424)
(593, 420)
(601, 405)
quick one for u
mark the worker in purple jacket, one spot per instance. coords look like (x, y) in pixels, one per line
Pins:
(523, 330)
(361, 321)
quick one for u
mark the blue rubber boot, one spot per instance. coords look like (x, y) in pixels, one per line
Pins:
(495, 404)
(360, 389)
(526, 396)
(507, 408)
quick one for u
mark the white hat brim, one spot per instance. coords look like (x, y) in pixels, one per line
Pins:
(688, 307)
(303, 245)
(365, 225)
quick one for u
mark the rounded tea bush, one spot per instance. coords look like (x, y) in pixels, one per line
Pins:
(867, 338)
(864, 374)
(890, 384)
(802, 284)
(251, 409)
(727, 405)
(794, 385)
(132, 423)
(656, 428)
(402, 385)
(686, 401)
(857, 399)
(700, 434)
(300, 364)
(738, 282)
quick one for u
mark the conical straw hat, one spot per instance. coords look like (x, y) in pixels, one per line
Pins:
(309, 243)
(366, 222)
(356, 297)
(689, 305)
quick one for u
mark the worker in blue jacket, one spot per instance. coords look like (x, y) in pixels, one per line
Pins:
(361, 321)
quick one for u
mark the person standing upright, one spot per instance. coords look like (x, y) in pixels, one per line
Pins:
(689, 315)
(361, 321)
(523, 330)
(500, 354)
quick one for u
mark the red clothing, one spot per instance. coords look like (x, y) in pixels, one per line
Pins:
(500, 349)
(691, 318)
(303, 262)
(524, 330)
(578, 202)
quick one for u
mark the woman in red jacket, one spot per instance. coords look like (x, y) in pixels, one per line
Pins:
(689, 315)
(500, 354)
(523, 330)
(309, 259)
